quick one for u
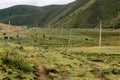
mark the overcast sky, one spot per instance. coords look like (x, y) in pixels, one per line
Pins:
(9, 3)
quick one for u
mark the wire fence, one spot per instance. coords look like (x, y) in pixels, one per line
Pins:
(58, 37)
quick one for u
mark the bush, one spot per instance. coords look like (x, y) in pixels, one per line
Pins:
(17, 62)
(115, 71)
(106, 71)
(23, 65)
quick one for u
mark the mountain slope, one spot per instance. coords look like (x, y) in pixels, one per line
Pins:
(35, 19)
(90, 14)
(113, 23)
(19, 10)
(66, 11)
(28, 15)
(48, 15)
(78, 14)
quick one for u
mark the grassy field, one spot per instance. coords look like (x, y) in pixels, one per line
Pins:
(60, 54)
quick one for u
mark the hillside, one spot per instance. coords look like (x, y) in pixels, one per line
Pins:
(90, 14)
(27, 15)
(70, 8)
(42, 16)
(61, 42)
(18, 10)
(39, 18)
(78, 14)
(42, 54)
(4, 28)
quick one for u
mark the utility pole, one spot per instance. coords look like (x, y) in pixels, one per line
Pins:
(61, 33)
(69, 41)
(56, 31)
(9, 30)
(52, 30)
(100, 34)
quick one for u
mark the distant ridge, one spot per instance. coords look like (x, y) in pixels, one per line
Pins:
(78, 14)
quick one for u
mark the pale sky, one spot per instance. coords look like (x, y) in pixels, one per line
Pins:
(9, 3)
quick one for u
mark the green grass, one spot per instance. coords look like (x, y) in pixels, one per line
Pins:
(81, 59)
(78, 38)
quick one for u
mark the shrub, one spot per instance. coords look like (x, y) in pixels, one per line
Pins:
(17, 62)
(115, 71)
(23, 65)
(106, 71)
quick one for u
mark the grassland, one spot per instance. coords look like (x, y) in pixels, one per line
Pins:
(54, 54)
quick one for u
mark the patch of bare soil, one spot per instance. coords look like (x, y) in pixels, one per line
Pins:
(4, 28)
(98, 74)
(39, 71)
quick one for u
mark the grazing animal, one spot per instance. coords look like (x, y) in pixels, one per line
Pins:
(11, 37)
(86, 39)
(6, 37)
(4, 33)
(17, 36)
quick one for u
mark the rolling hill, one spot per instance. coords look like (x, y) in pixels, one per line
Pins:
(78, 14)
(89, 14)
(18, 10)
(27, 15)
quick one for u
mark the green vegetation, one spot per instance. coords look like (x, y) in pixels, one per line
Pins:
(88, 15)
(37, 15)
(45, 53)
(13, 65)
(13, 59)
(67, 45)
(78, 14)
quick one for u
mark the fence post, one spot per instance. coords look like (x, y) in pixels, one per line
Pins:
(100, 34)
(9, 31)
(61, 33)
(69, 41)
